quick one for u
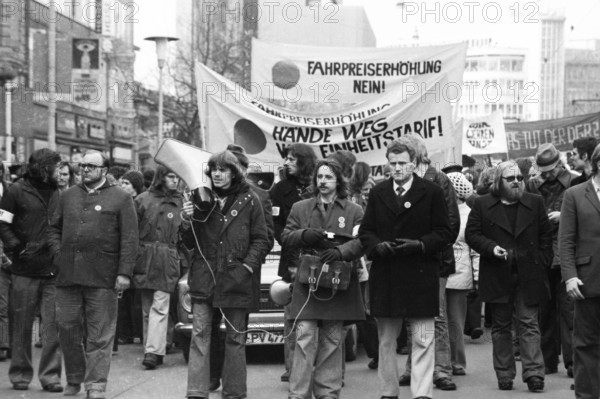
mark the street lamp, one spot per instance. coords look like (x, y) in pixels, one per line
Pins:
(161, 56)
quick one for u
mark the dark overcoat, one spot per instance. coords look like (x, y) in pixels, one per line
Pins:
(341, 218)
(531, 244)
(406, 286)
(227, 241)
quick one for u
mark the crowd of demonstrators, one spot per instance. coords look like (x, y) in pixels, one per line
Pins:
(322, 227)
(233, 241)
(299, 164)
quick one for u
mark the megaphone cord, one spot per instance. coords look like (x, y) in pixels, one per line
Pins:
(292, 330)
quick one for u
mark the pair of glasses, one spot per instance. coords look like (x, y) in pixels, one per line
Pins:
(511, 179)
(92, 167)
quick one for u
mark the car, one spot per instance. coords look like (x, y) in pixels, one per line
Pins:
(265, 327)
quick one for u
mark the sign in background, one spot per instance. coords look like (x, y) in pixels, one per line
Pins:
(350, 75)
(85, 71)
(365, 129)
(484, 135)
(523, 139)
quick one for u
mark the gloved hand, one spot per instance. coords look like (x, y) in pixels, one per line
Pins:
(312, 236)
(383, 249)
(407, 247)
(331, 255)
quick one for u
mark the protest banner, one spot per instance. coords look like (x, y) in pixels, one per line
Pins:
(523, 139)
(484, 135)
(298, 73)
(230, 114)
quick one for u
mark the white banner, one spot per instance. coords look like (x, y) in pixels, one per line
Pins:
(484, 135)
(230, 114)
(297, 73)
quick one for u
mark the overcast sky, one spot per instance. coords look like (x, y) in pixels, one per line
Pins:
(446, 20)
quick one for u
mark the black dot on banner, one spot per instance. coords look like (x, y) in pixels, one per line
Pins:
(285, 74)
(249, 136)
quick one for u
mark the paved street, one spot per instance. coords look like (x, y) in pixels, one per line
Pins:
(129, 380)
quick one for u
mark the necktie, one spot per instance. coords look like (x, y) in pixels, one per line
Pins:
(399, 192)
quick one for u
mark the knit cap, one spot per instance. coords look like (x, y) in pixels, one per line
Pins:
(462, 186)
(136, 179)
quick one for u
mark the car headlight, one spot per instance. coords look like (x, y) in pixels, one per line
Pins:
(186, 303)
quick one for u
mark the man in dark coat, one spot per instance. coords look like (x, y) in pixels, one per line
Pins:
(578, 242)
(511, 231)
(551, 183)
(25, 210)
(403, 231)
(94, 240)
(298, 169)
(442, 375)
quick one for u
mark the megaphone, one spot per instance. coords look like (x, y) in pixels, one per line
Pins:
(281, 292)
(189, 163)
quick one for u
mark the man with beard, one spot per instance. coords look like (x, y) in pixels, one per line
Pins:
(24, 214)
(93, 237)
(66, 176)
(583, 148)
(511, 231)
(299, 164)
(551, 183)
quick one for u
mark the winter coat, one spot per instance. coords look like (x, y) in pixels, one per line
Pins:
(158, 263)
(530, 246)
(227, 241)
(284, 194)
(467, 260)
(342, 217)
(27, 230)
(406, 286)
(94, 236)
(448, 265)
(553, 194)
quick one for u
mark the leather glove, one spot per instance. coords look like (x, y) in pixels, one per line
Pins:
(408, 247)
(383, 249)
(312, 237)
(331, 255)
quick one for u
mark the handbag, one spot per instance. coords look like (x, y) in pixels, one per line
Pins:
(335, 275)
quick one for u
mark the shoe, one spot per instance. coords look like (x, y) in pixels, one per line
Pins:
(285, 377)
(476, 333)
(159, 360)
(150, 361)
(535, 384)
(94, 394)
(550, 370)
(570, 371)
(72, 389)
(459, 371)
(404, 380)
(20, 386)
(373, 364)
(445, 384)
(505, 384)
(56, 387)
(3, 354)
(215, 383)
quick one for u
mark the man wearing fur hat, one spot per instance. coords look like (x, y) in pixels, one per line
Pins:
(157, 268)
(229, 241)
(551, 183)
(132, 182)
(25, 210)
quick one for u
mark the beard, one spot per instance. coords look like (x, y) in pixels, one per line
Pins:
(513, 192)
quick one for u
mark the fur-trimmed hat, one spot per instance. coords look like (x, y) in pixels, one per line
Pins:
(462, 186)
(240, 154)
(136, 179)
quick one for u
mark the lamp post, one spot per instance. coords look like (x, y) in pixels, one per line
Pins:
(161, 56)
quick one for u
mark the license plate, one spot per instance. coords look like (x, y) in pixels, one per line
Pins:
(263, 338)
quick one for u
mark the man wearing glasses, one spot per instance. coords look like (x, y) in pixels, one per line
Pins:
(94, 239)
(511, 231)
